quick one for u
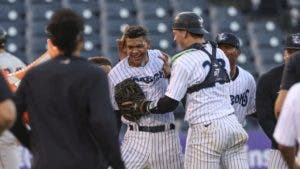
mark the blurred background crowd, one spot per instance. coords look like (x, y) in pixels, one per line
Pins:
(262, 26)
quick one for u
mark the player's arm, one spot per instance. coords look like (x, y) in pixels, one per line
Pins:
(251, 110)
(264, 106)
(7, 107)
(15, 78)
(288, 121)
(103, 120)
(288, 79)
(288, 154)
(176, 91)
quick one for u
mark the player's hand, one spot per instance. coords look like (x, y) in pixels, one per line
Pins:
(121, 45)
(135, 107)
(166, 67)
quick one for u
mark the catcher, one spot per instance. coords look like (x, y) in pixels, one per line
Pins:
(151, 140)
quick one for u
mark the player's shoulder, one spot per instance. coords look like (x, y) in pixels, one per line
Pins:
(272, 73)
(295, 89)
(245, 73)
(154, 52)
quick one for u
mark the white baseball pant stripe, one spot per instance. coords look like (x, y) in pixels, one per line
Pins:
(276, 160)
(217, 144)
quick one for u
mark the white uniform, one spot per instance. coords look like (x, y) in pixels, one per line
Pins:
(242, 91)
(287, 131)
(9, 146)
(215, 137)
(146, 149)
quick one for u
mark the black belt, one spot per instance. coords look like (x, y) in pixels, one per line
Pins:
(153, 129)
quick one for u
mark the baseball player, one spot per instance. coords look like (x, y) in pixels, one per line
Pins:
(289, 120)
(201, 72)
(242, 86)
(267, 91)
(9, 146)
(152, 142)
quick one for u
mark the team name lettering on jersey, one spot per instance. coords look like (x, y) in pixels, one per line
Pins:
(149, 79)
(241, 99)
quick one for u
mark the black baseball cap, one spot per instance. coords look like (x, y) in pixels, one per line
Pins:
(229, 39)
(293, 41)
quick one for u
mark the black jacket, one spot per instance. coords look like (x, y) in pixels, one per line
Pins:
(266, 94)
(72, 121)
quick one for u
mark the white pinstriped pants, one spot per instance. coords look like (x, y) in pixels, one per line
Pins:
(9, 156)
(217, 144)
(276, 160)
(152, 150)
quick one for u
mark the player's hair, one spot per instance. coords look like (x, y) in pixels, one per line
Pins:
(65, 30)
(100, 60)
(196, 35)
(135, 31)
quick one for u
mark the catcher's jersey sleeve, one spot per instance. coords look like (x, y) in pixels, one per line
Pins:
(182, 74)
(287, 129)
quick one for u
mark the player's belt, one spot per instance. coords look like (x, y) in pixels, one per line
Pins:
(153, 129)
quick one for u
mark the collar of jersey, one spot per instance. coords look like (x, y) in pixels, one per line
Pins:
(181, 53)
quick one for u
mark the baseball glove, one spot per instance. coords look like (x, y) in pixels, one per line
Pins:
(130, 97)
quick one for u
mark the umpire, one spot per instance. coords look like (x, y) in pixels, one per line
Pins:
(71, 117)
(266, 94)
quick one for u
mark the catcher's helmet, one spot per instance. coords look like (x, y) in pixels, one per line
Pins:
(293, 41)
(229, 39)
(3, 35)
(190, 22)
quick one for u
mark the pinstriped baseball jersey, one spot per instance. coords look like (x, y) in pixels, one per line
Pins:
(287, 131)
(142, 149)
(242, 91)
(150, 78)
(208, 103)
(10, 63)
(215, 137)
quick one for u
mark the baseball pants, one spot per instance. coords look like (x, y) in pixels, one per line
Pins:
(276, 160)
(9, 152)
(160, 150)
(217, 144)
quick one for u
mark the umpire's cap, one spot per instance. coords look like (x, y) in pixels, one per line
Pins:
(293, 41)
(229, 39)
(3, 35)
(190, 22)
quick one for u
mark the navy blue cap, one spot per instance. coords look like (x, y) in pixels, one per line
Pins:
(229, 39)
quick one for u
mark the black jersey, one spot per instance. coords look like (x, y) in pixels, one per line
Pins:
(266, 94)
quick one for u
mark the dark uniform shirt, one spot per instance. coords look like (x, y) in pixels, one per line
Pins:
(266, 94)
(5, 93)
(291, 72)
(71, 115)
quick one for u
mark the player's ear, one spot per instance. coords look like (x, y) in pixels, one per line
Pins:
(238, 52)
(52, 49)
